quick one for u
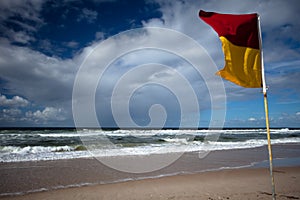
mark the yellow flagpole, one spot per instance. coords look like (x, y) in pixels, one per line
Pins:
(267, 115)
(269, 146)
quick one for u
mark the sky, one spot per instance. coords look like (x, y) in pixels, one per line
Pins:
(128, 63)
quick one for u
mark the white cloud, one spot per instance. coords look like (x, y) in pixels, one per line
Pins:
(71, 44)
(48, 114)
(48, 81)
(12, 112)
(89, 15)
(99, 35)
(20, 37)
(287, 120)
(16, 101)
(280, 34)
(39, 78)
(28, 11)
(141, 41)
(183, 16)
(10, 115)
(252, 119)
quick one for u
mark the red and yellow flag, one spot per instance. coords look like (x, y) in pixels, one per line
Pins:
(240, 43)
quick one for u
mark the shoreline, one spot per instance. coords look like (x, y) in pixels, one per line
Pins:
(50, 176)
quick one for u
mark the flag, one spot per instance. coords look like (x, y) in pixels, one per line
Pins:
(241, 47)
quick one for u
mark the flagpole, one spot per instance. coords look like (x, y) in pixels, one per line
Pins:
(266, 114)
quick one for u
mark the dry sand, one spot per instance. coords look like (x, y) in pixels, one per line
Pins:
(236, 184)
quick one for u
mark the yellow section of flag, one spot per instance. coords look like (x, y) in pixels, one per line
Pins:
(242, 65)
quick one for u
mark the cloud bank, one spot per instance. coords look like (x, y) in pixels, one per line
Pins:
(36, 87)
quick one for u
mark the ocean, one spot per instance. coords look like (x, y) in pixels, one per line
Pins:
(38, 144)
(40, 159)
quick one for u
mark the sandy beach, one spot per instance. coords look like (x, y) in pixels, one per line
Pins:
(232, 174)
(226, 184)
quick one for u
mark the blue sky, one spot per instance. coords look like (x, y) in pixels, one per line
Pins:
(43, 46)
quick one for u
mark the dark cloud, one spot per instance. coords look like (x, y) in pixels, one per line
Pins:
(43, 43)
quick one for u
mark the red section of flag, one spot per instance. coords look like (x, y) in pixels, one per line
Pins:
(240, 30)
